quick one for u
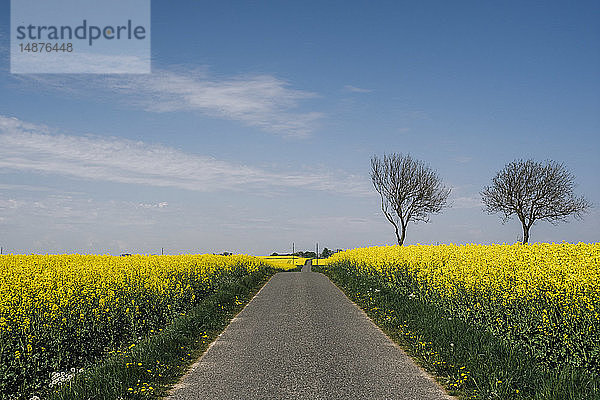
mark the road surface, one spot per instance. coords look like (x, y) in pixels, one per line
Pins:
(302, 338)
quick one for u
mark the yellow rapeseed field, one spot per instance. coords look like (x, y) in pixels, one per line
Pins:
(58, 311)
(284, 262)
(322, 261)
(542, 297)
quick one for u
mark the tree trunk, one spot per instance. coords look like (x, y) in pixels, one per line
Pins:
(401, 237)
(397, 234)
(525, 234)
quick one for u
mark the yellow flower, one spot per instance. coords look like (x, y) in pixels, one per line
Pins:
(552, 289)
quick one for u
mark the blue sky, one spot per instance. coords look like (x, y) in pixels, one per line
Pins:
(256, 127)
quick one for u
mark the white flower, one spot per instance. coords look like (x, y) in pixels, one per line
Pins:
(57, 378)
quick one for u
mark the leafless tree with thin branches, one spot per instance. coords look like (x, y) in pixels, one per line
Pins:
(410, 190)
(534, 191)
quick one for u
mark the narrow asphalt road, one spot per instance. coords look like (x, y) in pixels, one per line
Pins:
(302, 338)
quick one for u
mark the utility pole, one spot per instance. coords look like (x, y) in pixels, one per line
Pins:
(317, 253)
(293, 254)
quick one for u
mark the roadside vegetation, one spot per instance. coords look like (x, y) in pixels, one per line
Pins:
(285, 262)
(104, 327)
(491, 322)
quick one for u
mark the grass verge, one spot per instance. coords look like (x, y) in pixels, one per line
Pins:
(468, 361)
(148, 369)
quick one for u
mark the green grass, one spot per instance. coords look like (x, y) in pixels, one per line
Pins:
(148, 369)
(467, 360)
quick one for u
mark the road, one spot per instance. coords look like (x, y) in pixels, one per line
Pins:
(302, 338)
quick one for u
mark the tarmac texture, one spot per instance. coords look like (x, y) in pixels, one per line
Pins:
(301, 338)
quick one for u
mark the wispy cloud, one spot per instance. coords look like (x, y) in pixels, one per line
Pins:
(162, 204)
(35, 148)
(467, 202)
(75, 63)
(356, 89)
(24, 188)
(261, 101)
(4, 46)
(462, 159)
(65, 223)
(465, 196)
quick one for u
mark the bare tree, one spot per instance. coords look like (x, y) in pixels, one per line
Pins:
(534, 191)
(410, 190)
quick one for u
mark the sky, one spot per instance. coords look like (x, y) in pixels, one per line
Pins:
(256, 126)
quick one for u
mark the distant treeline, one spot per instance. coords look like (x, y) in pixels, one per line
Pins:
(309, 254)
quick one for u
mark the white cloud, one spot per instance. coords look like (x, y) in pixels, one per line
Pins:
(26, 188)
(462, 159)
(75, 63)
(9, 204)
(467, 202)
(465, 196)
(261, 101)
(340, 222)
(28, 147)
(162, 204)
(58, 209)
(355, 89)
